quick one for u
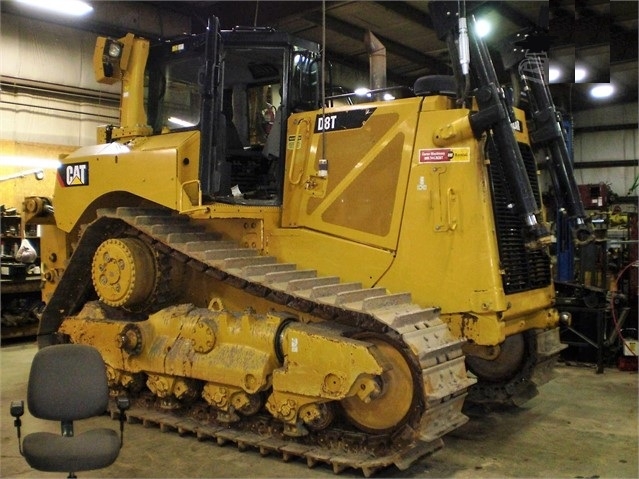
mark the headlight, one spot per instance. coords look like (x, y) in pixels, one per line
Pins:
(114, 49)
(107, 55)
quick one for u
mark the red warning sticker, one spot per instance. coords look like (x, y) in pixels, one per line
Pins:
(437, 155)
(443, 154)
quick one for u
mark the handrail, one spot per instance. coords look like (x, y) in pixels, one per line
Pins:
(292, 165)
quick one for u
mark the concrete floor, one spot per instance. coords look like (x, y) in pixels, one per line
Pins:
(582, 425)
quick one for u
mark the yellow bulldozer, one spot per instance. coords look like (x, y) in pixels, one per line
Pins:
(318, 275)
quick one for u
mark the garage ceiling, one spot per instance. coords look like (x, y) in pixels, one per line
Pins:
(600, 35)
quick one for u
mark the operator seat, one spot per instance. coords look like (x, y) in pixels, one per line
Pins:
(68, 382)
(233, 141)
(272, 147)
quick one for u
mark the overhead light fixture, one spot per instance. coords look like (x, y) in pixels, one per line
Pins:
(180, 122)
(602, 91)
(580, 74)
(553, 74)
(482, 28)
(27, 161)
(361, 91)
(75, 8)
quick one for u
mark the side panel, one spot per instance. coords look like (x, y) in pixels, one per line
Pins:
(161, 169)
(368, 152)
(447, 254)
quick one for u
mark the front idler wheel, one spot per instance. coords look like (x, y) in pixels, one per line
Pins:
(125, 273)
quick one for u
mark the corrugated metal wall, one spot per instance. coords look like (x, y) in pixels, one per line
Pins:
(609, 145)
(49, 94)
(50, 103)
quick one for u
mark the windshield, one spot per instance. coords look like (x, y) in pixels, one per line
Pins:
(254, 84)
(258, 79)
(172, 92)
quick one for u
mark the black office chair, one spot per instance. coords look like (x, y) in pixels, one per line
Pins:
(68, 382)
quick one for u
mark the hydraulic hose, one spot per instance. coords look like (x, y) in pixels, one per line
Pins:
(548, 133)
(496, 115)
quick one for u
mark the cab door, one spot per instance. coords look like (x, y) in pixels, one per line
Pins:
(347, 170)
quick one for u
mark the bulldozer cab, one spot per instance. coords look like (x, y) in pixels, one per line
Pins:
(237, 87)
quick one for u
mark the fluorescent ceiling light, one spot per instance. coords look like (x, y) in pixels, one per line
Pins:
(602, 91)
(361, 91)
(482, 27)
(75, 8)
(180, 122)
(26, 161)
(580, 74)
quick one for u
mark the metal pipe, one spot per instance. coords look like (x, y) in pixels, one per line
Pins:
(39, 174)
(62, 110)
(377, 61)
(41, 88)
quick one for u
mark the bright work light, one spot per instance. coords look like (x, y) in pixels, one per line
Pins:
(75, 8)
(114, 49)
(602, 91)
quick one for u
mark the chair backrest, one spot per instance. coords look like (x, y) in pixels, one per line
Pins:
(67, 382)
(272, 146)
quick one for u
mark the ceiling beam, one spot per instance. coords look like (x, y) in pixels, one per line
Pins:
(408, 12)
(362, 66)
(357, 33)
(623, 46)
(562, 26)
(508, 12)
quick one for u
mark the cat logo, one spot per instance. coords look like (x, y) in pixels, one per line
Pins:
(74, 174)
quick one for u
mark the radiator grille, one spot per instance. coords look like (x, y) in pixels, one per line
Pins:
(523, 270)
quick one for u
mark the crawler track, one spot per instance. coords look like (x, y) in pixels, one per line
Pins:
(435, 356)
(341, 449)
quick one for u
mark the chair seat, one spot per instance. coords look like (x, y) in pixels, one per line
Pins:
(90, 450)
